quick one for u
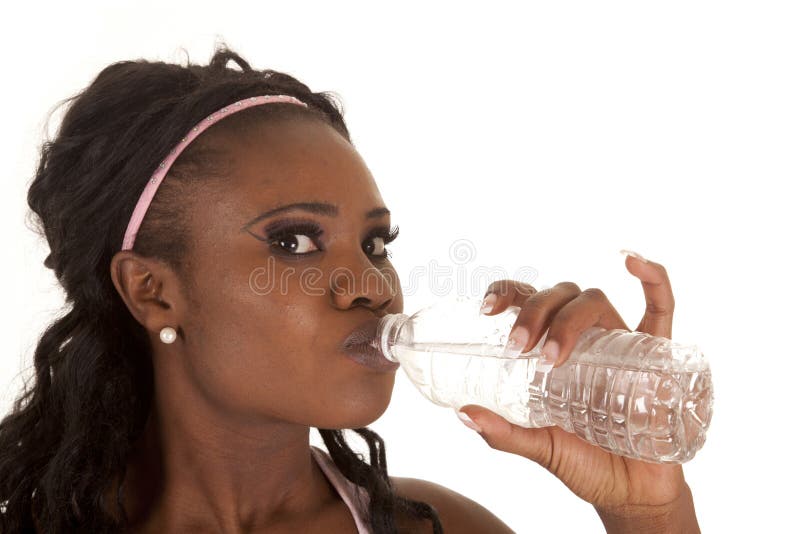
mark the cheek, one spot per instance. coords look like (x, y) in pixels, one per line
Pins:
(254, 351)
(276, 355)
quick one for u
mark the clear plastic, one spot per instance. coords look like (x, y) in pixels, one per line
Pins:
(630, 393)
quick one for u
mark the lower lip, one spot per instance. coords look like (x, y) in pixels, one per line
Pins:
(371, 357)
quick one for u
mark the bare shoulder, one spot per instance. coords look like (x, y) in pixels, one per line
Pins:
(457, 512)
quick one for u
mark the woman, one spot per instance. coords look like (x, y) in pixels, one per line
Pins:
(210, 247)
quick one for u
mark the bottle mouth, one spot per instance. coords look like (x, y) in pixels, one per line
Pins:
(386, 334)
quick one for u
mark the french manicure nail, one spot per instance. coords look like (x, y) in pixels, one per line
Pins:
(488, 303)
(468, 422)
(550, 352)
(516, 341)
(634, 254)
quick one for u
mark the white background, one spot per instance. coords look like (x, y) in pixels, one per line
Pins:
(550, 136)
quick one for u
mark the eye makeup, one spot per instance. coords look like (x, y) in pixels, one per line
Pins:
(387, 234)
(283, 231)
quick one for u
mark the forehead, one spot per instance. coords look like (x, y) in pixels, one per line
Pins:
(284, 162)
(299, 159)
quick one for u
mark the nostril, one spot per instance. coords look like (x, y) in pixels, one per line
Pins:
(361, 301)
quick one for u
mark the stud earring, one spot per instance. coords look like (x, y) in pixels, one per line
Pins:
(168, 334)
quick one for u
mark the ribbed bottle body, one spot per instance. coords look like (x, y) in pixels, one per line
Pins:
(630, 393)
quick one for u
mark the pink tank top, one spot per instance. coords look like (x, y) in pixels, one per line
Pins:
(354, 496)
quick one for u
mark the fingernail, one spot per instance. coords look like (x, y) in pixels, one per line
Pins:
(516, 341)
(634, 254)
(550, 352)
(468, 422)
(488, 303)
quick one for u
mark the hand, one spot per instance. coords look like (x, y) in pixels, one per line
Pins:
(606, 480)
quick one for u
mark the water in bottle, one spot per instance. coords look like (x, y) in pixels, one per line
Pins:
(630, 393)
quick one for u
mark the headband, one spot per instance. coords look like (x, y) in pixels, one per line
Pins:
(155, 180)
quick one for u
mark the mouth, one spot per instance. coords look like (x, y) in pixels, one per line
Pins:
(361, 346)
(363, 335)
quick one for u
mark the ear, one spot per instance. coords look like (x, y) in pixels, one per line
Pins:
(150, 289)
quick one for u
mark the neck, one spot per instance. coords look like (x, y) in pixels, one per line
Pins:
(201, 468)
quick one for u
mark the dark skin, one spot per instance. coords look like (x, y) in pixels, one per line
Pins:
(629, 495)
(226, 446)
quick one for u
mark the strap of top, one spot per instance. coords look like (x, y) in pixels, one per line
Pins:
(355, 497)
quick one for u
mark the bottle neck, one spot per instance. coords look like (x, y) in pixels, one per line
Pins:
(388, 331)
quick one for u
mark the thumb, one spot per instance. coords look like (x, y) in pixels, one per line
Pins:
(533, 443)
(658, 295)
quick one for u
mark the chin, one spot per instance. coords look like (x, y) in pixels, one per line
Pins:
(360, 407)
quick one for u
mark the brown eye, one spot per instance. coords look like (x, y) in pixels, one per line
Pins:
(376, 246)
(294, 238)
(295, 243)
(378, 238)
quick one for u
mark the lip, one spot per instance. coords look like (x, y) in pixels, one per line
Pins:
(361, 347)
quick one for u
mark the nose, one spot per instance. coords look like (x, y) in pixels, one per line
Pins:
(362, 285)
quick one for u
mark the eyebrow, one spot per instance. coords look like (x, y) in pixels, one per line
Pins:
(317, 208)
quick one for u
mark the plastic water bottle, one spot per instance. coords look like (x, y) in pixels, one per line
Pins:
(630, 393)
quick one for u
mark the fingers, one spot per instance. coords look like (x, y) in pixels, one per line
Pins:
(660, 302)
(536, 312)
(564, 312)
(590, 308)
(533, 443)
(504, 293)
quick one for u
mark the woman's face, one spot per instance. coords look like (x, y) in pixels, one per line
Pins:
(269, 307)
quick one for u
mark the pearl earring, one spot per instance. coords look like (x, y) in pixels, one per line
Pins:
(168, 334)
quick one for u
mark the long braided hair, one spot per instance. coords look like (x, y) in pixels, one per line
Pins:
(71, 431)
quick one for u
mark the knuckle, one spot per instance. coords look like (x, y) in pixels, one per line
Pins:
(571, 287)
(595, 293)
(526, 289)
(660, 309)
(544, 292)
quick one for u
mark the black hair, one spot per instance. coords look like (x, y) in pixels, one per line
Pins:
(68, 437)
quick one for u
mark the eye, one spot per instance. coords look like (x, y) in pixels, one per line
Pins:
(378, 238)
(296, 244)
(376, 246)
(295, 239)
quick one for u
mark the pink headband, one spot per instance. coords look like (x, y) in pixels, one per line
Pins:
(152, 184)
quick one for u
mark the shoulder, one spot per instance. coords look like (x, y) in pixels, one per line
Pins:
(456, 512)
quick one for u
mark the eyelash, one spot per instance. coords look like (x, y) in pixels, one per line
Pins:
(312, 230)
